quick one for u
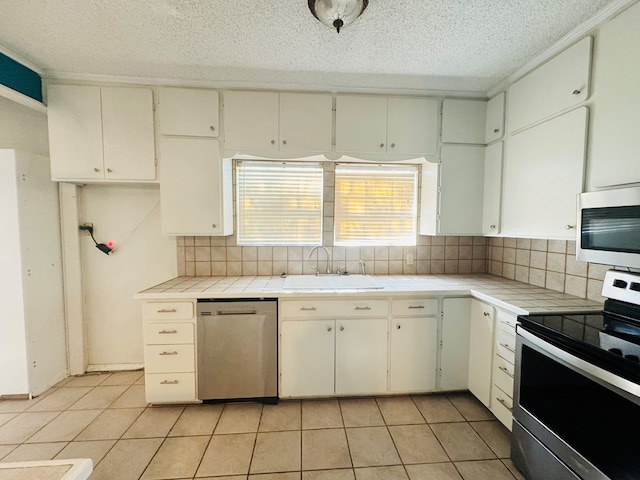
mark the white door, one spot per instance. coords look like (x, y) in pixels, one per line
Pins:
(454, 358)
(463, 121)
(251, 121)
(361, 124)
(492, 189)
(412, 126)
(307, 358)
(414, 348)
(306, 122)
(361, 356)
(188, 111)
(494, 127)
(481, 350)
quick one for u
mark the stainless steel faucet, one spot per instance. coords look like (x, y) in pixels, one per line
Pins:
(328, 269)
(363, 268)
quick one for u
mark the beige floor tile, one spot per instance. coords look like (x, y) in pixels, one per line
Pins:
(281, 417)
(227, 455)
(399, 411)
(140, 381)
(343, 474)
(17, 406)
(417, 444)
(133, 397)
(239, 418)
(321, 414)
(54, 472)
(197, 420)
(63, 382)
(127, 378)
(484, 470)
(65, 427)
(433, 471)
(381, 473)
(99, 397)
(470, 407)
(361, 412)
(276, 452)
(177, 458)
(461, 442)
(88, 380)
(5, 417)
(110, 424)
(6, 450)
(496, 436)
(512, 468)
(60, 399)
(36, 451)
(24, 426)
(127, 459)
(372, 447)
(275, 476)
(325, 449)
(154, 422)
(437, 409)
(231, 477)
(95, 450)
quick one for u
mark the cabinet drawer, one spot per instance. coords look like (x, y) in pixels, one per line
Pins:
(415, 307)
(170, 387)
(503, 375)
(167, 310)
(501, 406)
(168, 333)
(169, 358)
(506, 345)
(334, 309)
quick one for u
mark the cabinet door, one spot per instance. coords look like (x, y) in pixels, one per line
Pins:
(306, 122)
(75, 132)
(361, 124)
(558, 85)
(543, 174)
(251, 121)
(463, 121)
(494, 126)
(481, 350)
(307, 358)
(128, 134)
(412, 126)
(189, 112)
(194, 188)
(361, 356)
(454, 357)
(461, 190)
(414, 348)
(492, 189)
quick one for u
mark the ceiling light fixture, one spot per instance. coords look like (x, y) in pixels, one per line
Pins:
(337, 13)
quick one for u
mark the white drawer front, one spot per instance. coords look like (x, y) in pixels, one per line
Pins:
(170, 387)
(167, 310)
(162, 333)
(506, 345)
(415, 307)
(503, 375)
(334, 309)
(501, 406)
(169, 358)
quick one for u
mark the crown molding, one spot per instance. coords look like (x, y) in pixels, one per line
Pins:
(21, 61)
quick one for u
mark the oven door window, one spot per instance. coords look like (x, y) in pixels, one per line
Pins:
(611, 229)
(598, 423)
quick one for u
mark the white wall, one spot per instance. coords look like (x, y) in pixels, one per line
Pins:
(130, 216)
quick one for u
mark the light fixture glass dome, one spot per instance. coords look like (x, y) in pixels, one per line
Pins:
(337, 13)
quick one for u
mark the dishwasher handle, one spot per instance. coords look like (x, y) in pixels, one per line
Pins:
(236, 312)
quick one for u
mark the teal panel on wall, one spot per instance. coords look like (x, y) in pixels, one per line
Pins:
(20, 78)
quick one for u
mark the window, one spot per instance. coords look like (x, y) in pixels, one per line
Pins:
(279, 203)
(375, 204)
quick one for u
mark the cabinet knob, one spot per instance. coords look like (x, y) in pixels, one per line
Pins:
(576, 92)
(397, 327)
(496, 130)
(214, 225)
(212, 128)
(492, 227)
(382, 145)
(109, 170)
(569, 227)
(273, 142)
(486, 314)
(96, 169)
(284, 142)
(329, 329)
(342, 329)
(393, 145)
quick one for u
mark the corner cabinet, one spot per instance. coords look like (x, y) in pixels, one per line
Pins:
(454, 358)
(101, 133)
(494, 125)
(481, 350)
(463, 121)
(386, 125)
(492, 194)
(188, 112)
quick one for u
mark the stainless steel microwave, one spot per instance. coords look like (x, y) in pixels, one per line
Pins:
(609, 227)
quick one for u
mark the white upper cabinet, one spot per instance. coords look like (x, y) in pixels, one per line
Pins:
(543, 173)
(371, 124)
(272, 122)
(463, 121)
(188, 112)
(101, 133)
(556, 86)
(492, 189)
(494, 125)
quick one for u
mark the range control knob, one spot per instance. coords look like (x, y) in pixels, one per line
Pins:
(619, 283)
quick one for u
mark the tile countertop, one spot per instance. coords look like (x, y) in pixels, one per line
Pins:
(518, 298)
(74, 469)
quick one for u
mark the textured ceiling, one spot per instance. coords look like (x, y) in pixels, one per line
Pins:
(413, 45)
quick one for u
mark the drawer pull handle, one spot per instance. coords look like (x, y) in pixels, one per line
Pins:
(167, 310)
(165, 332)
(412, 307)
(169, 382)
(504, 369)
(504, 404)
(506, 345)
(362, 308)
(486, 314)
(308, 309)
(168, 353)
(507, 323)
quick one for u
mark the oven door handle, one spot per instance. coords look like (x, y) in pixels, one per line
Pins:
(588, 369)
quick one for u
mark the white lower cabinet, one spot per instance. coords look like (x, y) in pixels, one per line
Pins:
(502, 379)
(480, 350)
(454, 357)
(413, 354)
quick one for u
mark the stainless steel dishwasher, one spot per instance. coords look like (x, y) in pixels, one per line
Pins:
(238, 349)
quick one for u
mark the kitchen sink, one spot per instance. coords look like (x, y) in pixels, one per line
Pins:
(331, 282)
